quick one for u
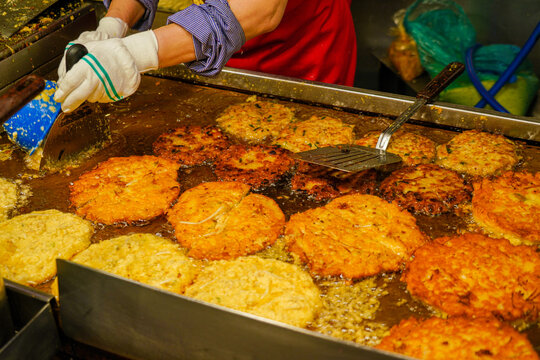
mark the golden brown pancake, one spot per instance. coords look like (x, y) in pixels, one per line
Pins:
(191, 145)
(354, 236)
(477, 276)
(222, 220)
(265, 287)
(413, 149)
(318, 131)
(323, 183)
(458, 338)
(509, 206)
(255, 121)
(478, 153)
(426, 189)
(257, 166)
(126, 189)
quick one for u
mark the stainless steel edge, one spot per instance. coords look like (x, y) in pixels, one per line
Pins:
(37, 337)
(362, 100)
(142, 322)
(6, 330)
(35, 53)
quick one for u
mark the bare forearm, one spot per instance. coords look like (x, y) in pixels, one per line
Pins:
(258, 16)
(130, 11)
(175, 45)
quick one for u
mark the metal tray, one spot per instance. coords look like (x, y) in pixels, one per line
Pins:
(138, 321)
(39, 52)
(355, 99)
(178, 327)
(36, 334)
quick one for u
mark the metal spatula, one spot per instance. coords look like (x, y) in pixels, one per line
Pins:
(352, 158)
(38, 122)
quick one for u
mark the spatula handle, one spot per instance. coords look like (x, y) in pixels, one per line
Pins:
(427, 94)
(441, 81)
(19, 94)
(75, 53)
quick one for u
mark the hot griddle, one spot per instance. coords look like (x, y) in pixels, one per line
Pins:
(136, 320)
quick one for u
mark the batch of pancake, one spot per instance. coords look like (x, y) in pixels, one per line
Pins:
(326, 268)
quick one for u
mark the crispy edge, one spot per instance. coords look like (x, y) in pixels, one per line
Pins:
(214, 141)
(428, 201)
(450, 262)
(414, 149)
(267, 174)
(325, 184)
(458, 338)
(87, 191)
(473, 151)
(517, 223)
(333, 254)
(225, 233)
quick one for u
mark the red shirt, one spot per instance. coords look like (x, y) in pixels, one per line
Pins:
(315, 41)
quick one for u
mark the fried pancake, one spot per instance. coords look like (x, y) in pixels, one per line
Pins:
(126, 189)
(258, 165)
(145, 258)
(317, 187)
(265, 287)
(477, 276)
(426, 189)
(354, 236)
(478, 153)
(509, 206)
(220, 220)
(30, 243)
(8, 198)
(314, 133)
(191, 145)
(255, 121)
(458, 338)
(323, 183)
(413, 149)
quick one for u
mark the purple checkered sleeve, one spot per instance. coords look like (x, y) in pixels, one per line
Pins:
(217, 35)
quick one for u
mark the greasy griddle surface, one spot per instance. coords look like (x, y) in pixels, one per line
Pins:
(162, 104)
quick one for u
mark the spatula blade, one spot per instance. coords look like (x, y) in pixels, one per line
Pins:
(349, 158)
(29, 126)
(75, 132)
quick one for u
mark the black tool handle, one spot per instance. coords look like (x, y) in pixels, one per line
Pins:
(441, 81)
(75, 53)
(19, 94)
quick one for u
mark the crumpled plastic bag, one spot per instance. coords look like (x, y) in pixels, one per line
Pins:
(443, 33)
(402, 52)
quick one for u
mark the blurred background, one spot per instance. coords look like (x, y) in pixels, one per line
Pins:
(495, 22)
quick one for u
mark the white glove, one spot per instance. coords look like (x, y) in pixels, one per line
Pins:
(108, 28)
(109, 72)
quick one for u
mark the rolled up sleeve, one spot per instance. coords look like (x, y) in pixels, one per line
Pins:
(216, 32)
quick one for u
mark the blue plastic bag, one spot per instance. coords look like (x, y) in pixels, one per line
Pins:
(443, 33)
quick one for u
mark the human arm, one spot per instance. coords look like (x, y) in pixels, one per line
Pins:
(203, 36)
(175, 43)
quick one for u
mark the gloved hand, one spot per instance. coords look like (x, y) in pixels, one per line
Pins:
(108, 28)
(109, 72)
